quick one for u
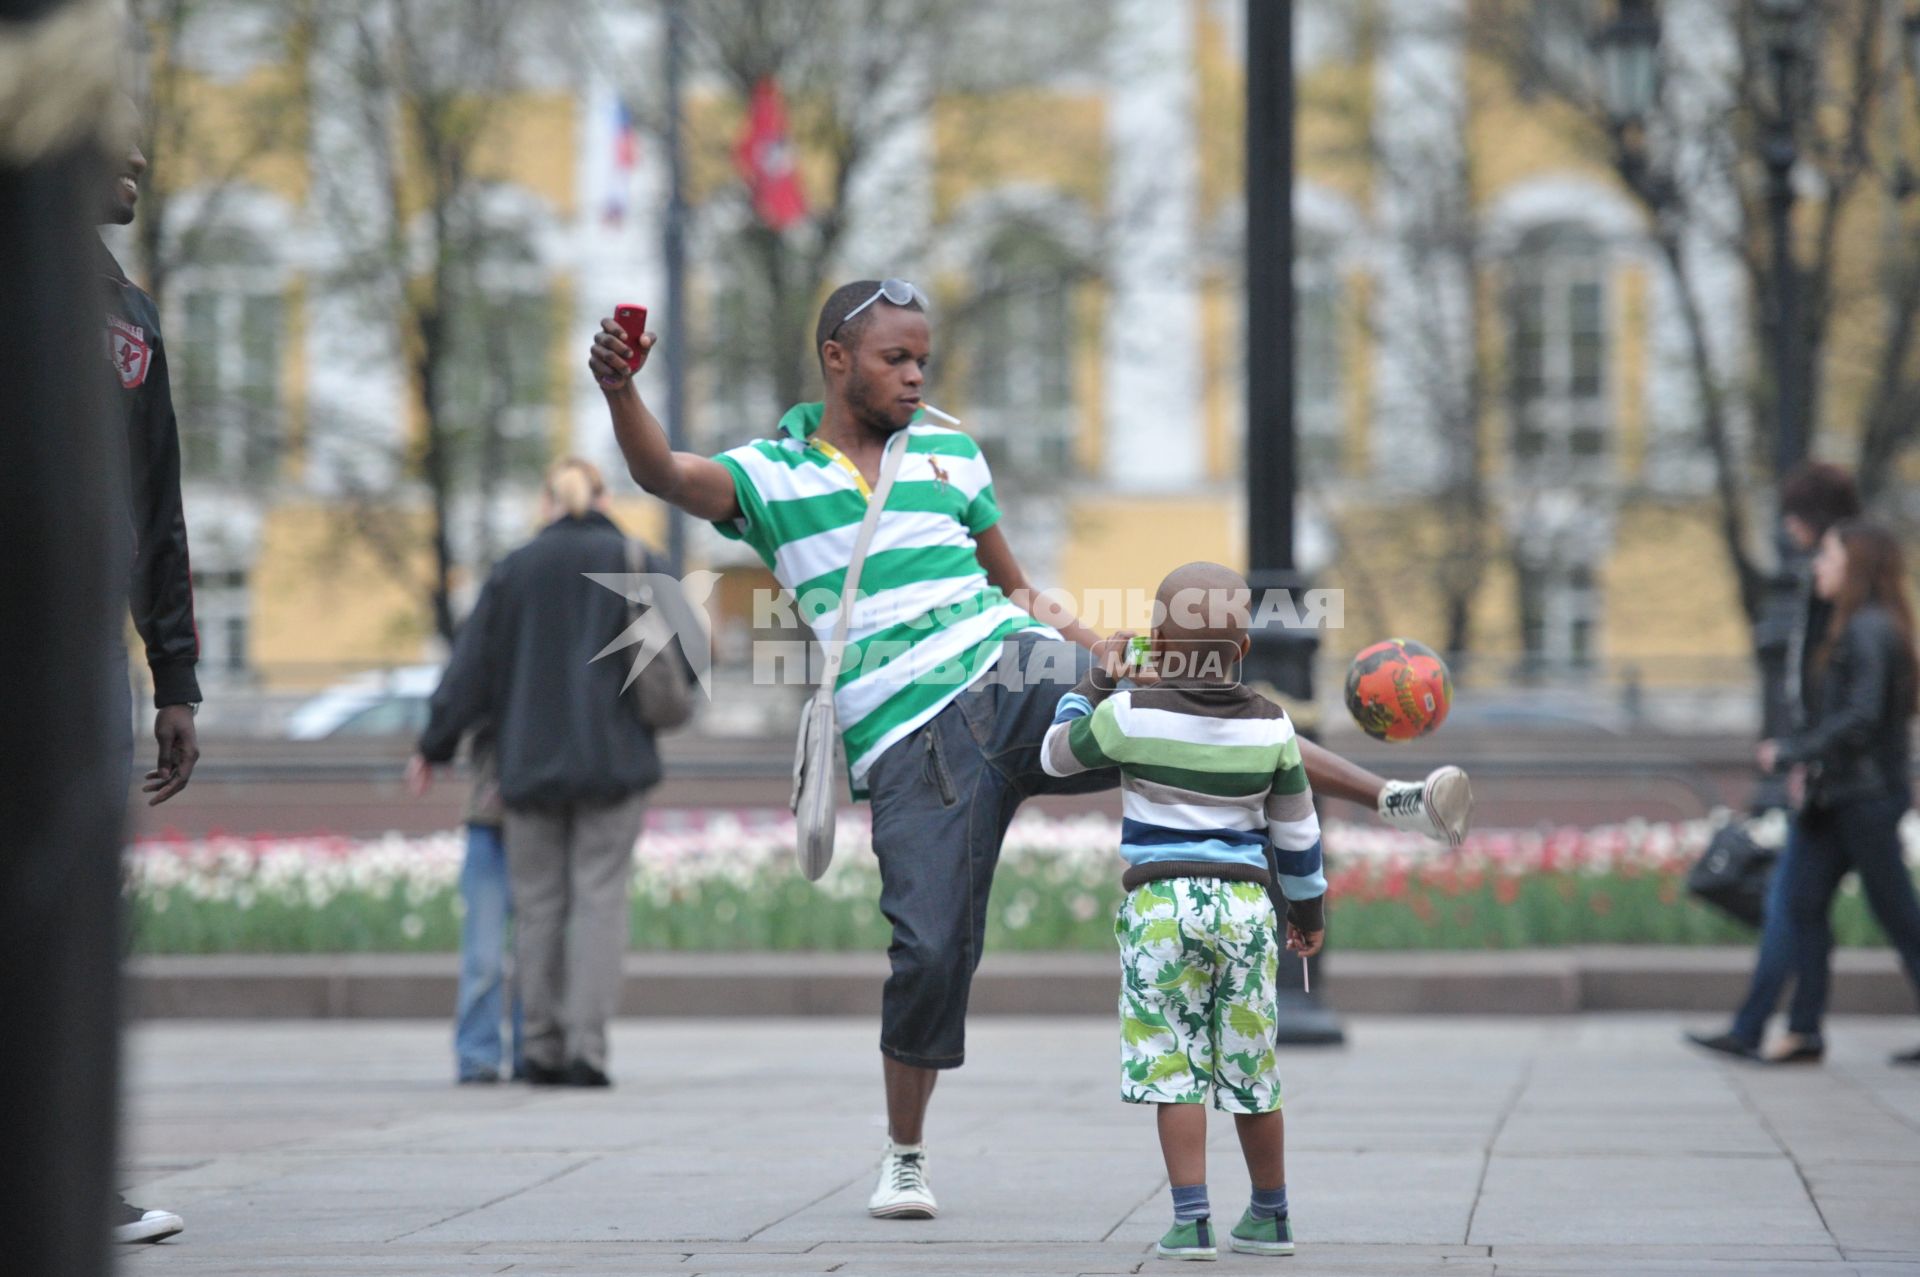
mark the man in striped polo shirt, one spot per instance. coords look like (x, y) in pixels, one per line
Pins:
(945, 754)
(928, 619)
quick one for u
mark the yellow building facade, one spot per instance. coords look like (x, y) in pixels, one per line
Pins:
(1082, 235)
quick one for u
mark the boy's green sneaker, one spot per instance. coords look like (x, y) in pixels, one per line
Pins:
(1258, 1235)
(1189, 1239)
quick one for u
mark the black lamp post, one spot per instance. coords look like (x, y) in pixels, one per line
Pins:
(1281, 655)
(1781, 31)
(1630, 80)
(674, 251)
(1781, 27)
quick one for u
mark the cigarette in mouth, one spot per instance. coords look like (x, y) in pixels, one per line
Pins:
(937, 415)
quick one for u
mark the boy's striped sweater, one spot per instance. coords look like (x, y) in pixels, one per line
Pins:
(1211, 782)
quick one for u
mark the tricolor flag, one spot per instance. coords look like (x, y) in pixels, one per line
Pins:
(765, 159)
(626, 148)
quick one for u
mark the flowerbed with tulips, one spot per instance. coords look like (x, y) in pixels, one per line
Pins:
(719, 881)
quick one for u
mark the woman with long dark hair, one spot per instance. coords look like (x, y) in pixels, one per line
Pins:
(1851, 766)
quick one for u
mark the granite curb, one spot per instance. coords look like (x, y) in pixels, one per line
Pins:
(1521, 982)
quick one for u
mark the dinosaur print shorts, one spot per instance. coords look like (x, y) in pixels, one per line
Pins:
(1198, 959)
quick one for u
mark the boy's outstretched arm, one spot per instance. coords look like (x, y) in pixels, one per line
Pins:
(1073, 744)
(1293, 833)
(699, 485)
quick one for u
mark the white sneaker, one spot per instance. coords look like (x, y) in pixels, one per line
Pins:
(1441, 806)
(902, 1192)
(131, 1224)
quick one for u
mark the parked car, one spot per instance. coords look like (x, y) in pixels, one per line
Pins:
(384, 703)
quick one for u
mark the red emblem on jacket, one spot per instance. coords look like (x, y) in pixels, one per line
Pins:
(127, 348)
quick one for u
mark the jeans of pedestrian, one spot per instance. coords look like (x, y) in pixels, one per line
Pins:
(1796, 940)
(942, 799)
(570, 867)
(486, 991)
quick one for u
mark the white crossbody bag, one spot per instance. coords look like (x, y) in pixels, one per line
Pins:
(815, 798)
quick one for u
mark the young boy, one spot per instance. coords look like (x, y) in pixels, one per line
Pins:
(1217, 810)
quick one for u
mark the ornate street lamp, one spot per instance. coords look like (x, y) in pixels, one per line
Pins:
(1630, 63)
(1629, 50)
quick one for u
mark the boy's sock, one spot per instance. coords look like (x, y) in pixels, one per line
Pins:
(1190, 1202)
(1269, 1203)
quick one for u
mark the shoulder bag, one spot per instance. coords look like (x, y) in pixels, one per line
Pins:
(814, 799)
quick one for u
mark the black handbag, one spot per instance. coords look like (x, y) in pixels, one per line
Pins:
(1733, 872)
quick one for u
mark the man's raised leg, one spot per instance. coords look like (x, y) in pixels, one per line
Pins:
(1441, 806)
(1335, 777)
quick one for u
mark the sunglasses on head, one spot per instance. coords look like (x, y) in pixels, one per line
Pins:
(897, 292)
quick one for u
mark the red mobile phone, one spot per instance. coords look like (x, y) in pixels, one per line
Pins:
(633, 322)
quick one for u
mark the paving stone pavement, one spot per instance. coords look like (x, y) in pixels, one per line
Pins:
(1465, 1147)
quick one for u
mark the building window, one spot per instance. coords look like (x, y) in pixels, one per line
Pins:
(1559, 616)
(497, 380)
(1317, 365)
(236, 637)
(1557, 352)
(1020, 356)
(221, 605)
(226, 347)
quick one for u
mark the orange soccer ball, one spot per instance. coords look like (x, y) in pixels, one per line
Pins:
(1398, 690)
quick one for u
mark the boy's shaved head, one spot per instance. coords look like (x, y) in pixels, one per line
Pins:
(1202, 600)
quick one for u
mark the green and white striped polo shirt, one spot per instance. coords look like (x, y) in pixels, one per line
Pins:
(927, 623)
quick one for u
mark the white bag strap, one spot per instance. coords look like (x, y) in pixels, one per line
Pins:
(895, 453)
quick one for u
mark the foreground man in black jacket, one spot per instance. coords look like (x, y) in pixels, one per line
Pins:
(161, 589)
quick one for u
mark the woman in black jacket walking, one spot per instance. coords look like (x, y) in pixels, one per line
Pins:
(575, 765)
(1851, 763)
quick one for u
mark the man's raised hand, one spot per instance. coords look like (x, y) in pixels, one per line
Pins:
(612, 359)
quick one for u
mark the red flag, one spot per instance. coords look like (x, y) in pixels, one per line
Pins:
(765, 159)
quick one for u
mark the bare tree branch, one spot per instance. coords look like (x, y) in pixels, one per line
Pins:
(429, 83)
(266, 128)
